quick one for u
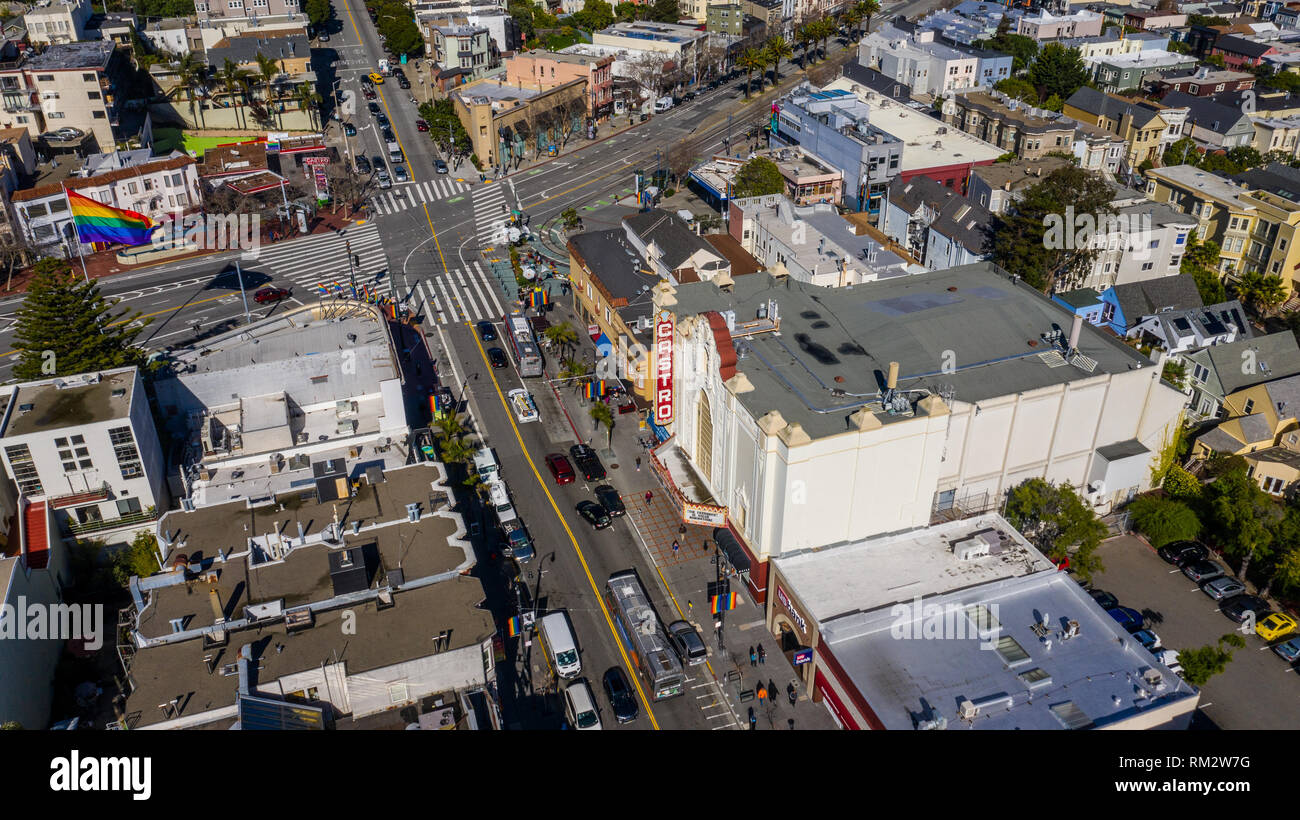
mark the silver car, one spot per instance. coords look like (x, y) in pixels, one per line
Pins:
(1223, 587)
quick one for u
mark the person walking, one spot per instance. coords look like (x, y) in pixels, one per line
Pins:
(762, 654)
(753, 657)
(761, 693)
(676, 547)
(638, 464)
(753, 719)
(791, 693)
(649, 495)
(771, 690)
(690, 607)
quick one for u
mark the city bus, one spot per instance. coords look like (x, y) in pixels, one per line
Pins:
(528, 357)
(643, 636)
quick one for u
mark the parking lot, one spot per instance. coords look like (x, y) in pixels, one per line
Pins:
(1258, 690)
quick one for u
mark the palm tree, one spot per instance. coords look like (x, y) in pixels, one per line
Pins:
(777, 50)
(562, 336)
(852, 18)
(804, 37)
(449, 426)
(752, 60)
(308, 100)
(192, 73)
(601, 414)
(1262, 292)
(456, 450)
(867, 8)
(824, 29)
(268, 70)
(235, 79)
(575, 370)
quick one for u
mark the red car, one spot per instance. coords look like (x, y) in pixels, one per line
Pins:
(421, 125)
(560, 468)
(270, 295)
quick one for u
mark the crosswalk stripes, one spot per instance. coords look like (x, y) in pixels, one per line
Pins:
(465, 295)
(411, 194)
(489, 212)
(323, 258)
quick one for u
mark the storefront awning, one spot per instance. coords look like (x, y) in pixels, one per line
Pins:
(732, 549)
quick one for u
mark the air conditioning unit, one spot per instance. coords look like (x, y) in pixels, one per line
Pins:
(966, 710)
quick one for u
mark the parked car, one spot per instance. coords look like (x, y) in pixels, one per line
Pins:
(688, 643)
(1169, 658)
(1288, 651)
(588, 462)
(440, 166)
(379, 163)
(421, 125)
(516, 543)
(610, 500)
(1275, 626)
(382, 177)
(349, 130)
(689, 95)
(266, 295)
(1239, 607)
(580, 706)
(369, 91)
(402, 82)
(1103, 598)
(593, 514)
(497, 357)
(387, 134)
(1150, 641)
(1223, 587)
(1127, 617)
(376, 78)
(1181, 552)
(373, 107)
(486, 331)
(525, 409)
(363, 165)
(619, 692)
(67, 133)
(1203, 570)
(399, 173)
(382, 119)
(561, 469)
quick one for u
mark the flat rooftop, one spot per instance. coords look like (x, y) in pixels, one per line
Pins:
(1153, 59)
(71, 401)
(924, 146)
(1020, 172)
(72, 56)
(1204, 182)
(496, 90)
(404, 632)
(846, 338)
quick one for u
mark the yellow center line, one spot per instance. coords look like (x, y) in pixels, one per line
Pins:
(379, 89)
(600, 599)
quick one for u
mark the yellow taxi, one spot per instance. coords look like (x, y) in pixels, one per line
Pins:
(1275, 626)
(376, 78)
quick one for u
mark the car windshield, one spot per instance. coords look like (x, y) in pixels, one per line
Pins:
(567, 658)
(586, 720)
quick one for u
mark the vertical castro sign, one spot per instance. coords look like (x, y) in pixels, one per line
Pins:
(663, 368)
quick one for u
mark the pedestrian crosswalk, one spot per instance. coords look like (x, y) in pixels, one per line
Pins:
(490, 211)
(323, 259)
(467, 295)
(412, 194)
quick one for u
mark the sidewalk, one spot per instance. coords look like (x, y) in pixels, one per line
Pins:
(688, 571)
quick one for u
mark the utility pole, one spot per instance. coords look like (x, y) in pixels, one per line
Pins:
(240, 274)
(352, 269)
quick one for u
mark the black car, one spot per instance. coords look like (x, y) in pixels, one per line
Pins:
(387, 134)
(486, 331)
(402, 82)
(497, 357)
(610, 500)
(1104, 598)
(349, 129)
(1181, 552)
(1237, 606)
(689, 95)
(619, 692)
(379, 163)
(399, 73)
(363, 165)
(593, 514)
(382, 119)
(374, 107)
(588, 463)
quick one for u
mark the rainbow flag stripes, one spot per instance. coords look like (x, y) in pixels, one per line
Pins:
(512, 627)
(97, 222)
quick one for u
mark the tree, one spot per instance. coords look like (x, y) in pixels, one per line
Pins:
(192, 74)
(571, 221)
(562, 336)
(804, 37)
(594, 15)
(664, 11)
(1262, 292)
(1058, 70)
(1055, 520)
(308, 100)
(679, 159)
(235, 80)
(750, 61)
(602, 415)
(1163, 520)
(627, 12)
(574, 371)
(318, 11)
(776, 50)
(138, 559)
(1285, 569)
(1199, 665)
(268, 70)
(1054, 103)
(758, 177)
(1022, 49)
(868, 9)
(1039, 243)
(1175, 372)
(1241, 516)
(1019, 89)
(65, 327)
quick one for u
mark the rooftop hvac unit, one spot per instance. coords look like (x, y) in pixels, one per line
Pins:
(969, 549)
(966, 710)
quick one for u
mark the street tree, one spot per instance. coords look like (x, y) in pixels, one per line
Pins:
(758, 177)
(594, 15)
(777, 49)
(1058, 70)
(318, 11)
(601, 415)
(750, 61)
(66, 326)
(1241, 516)
(665, 11)
(1057, 522)
(1163, 520)
(1203, 663)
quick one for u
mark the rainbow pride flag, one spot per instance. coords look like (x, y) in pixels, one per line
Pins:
(512, 627)
(97, 222)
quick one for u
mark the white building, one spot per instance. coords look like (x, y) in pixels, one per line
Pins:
(805, 439)
(57, 21)
(919, 62)
(87, 446)
(1144, 240)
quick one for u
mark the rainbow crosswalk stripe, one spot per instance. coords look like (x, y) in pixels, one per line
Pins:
(97, 222)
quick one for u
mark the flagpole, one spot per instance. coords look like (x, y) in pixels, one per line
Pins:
(76, 235)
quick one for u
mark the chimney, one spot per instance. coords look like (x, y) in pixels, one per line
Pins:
(892, 382)
(1075, 329)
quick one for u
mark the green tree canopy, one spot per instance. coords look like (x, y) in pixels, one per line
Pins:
(1019, 89)
(318, 11)
(665, 11)
(1262, 292)
(1056, 520)
(1163, 520)
(594, 15)
(1203, 663)
(65, 326)
(1058, 70)
(757, 177)
(139, 558)
(396, 23)
(1240, 515)
(1021, 48)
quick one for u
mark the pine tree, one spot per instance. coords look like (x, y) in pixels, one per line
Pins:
(66, 326)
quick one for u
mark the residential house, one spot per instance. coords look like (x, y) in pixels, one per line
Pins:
(217, 12)
(1141, 241)
(1262, 425)
(57, 21)
(1124, 307)
(1138, 123)
(916, 59)
(961, 234)
(66, 85)
(1205, 81)
(1130, 71)
(671, 249)
(1096, 149)
(1045, 26)
(1180, 331)
(1212, 124)
(1217, 372)
(999, 186)
(466, 50)
(1239, 53)
(1148, 19)
(1280, 135)
(1011, 125)
(808, 180)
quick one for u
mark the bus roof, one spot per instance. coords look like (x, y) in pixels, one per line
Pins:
(643, 623)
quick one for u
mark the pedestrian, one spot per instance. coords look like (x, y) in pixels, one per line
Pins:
(762, 693)
(753, 657)
(690, 607)
(676, 546)
(771, 690)
(648, 495)
(762, 654)
(638, 464)
(753, 719)
(791, 693)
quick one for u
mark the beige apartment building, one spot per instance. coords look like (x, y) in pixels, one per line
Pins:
(57, 21)
(68, 85)
(545, 70)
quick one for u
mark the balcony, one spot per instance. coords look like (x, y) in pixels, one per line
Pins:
(107, 524)
(59, 502)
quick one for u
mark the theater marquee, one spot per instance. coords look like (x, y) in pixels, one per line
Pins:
(663, 368)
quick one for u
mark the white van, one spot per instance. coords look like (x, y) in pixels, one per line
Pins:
(500, 498)
(485, 464)
(580, 706)
(561, 644)
(663, 104)
(395, 153)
